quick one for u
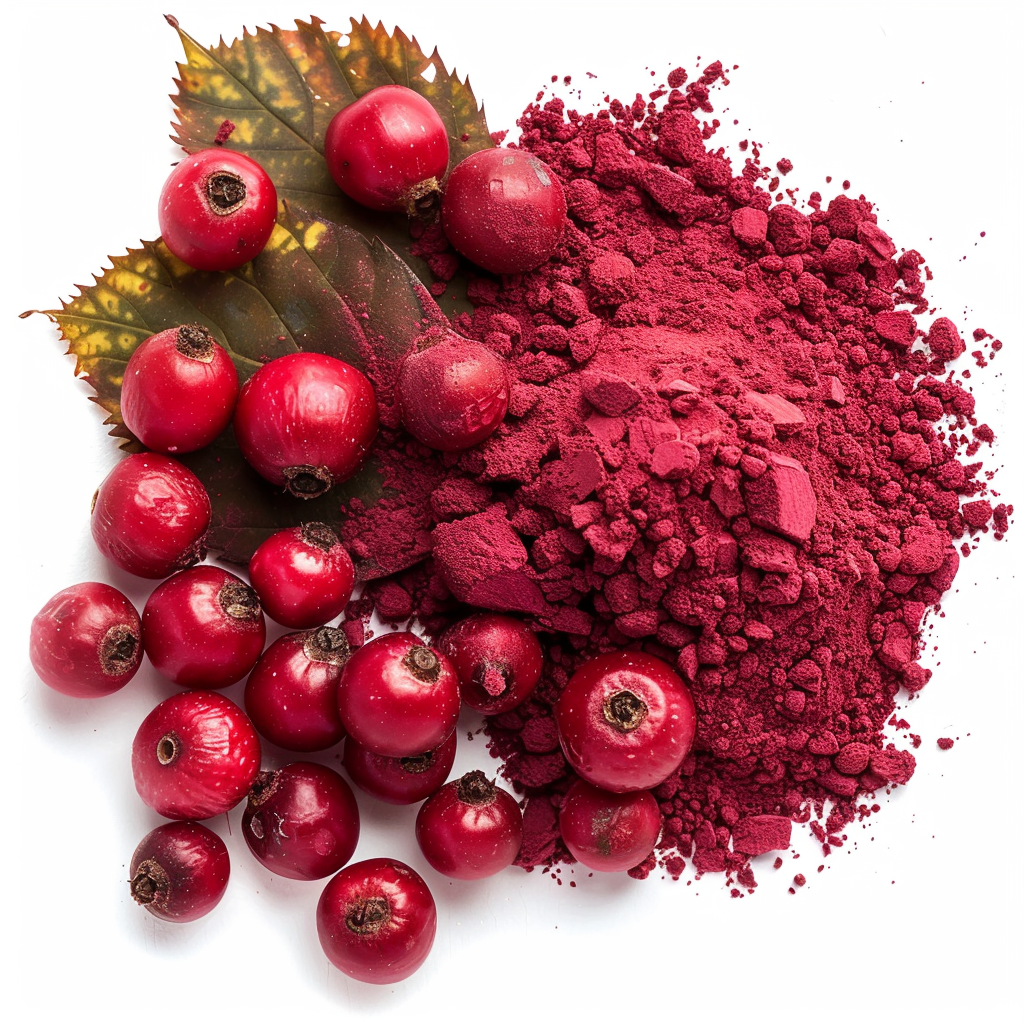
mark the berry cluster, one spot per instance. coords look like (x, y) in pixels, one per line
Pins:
(305, 422)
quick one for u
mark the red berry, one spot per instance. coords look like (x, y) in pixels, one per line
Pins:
(217, 209)
(304, 576)
(179, 871)
(398, 697)
(388, 149)
(609, 831)
(497, 659)
(292, 693)
(453, 394)
(301, 821)
(305, 421)
(625, 721)
(195, 755)
(179, 390)
(504, 210)
(203, 628)
(86, 641)
(399, 780)
(469, 828)
(150, 516)
(376, 921)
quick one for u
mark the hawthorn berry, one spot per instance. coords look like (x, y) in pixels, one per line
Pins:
(305, 421)
(376, 921)
(203, 628)
(179, 390)
(453, 393)
(301, 821)
(291, 694)
(399, 780)
(398, 697)
(179, 871)
(217, 209)
(195, 755)
(469, 828)
(497, 658)
(388, 150)
(609, 831)
(150, 516)
(504, 210)
(304, 576)
(86, 641)
(625, 721)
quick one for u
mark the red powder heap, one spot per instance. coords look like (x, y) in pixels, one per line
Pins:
(726, 446)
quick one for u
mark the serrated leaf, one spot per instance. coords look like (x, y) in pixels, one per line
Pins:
(280, 89)
(317, 287)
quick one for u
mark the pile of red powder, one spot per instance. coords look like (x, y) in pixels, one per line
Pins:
(731, 443)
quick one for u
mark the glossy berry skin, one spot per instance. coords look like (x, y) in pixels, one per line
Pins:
(150, 516)
(179, 871)
(497, 658)
(609, 831)
(301, 821)
(217, 209)
(179, 390)
(203, 628)
(195, 755)
(504, 210)
(399, 780)
(388, 150)
(376, 921)
(469, 828)
(453, 394)
(305, 421)
(398, 697)
(304, 576)
(291, 694)
(86, 641)
(625, 721)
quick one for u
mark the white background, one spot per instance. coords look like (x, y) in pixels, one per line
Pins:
(917, 918)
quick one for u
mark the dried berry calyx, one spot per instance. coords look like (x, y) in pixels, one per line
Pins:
(475, 789)
(239, 601)
(307, 481)
(624, 710)
(195, 342)
(226, 192)
(327, 644)
(150, 884)
(319, 535)
(118, 650)
(368, 916)
(424, 664)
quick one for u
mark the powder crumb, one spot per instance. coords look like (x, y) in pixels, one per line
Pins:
(945, 743)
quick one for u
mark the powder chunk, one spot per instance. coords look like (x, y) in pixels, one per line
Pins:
(679, 136)
(761, 833)
(482, 561)
(782, 499)
(612, 277)
(899, 328)
(674, 460)
(976, 514)
(765, 551)
(788, 230)
(609, 394)
(923, 550)
(842, 256)
(781, 412)
(944, 340)
(749, 226)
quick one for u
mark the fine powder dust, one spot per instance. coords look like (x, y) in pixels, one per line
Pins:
(733, 442)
